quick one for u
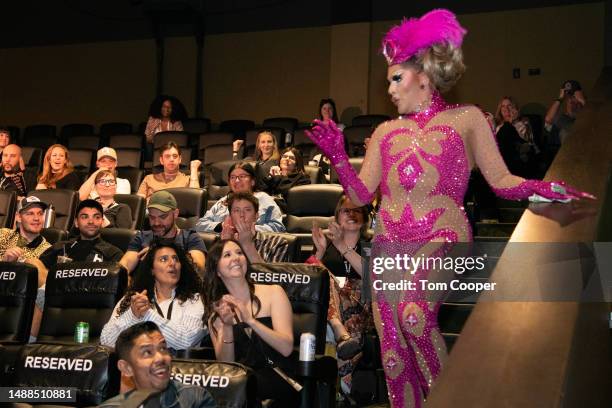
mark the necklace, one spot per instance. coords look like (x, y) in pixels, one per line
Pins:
(347, 264)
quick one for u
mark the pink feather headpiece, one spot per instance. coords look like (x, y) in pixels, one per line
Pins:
(405, 40)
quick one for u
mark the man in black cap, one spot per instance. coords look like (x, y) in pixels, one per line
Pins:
(25, 244)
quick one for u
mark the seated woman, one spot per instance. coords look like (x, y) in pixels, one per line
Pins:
(348, 317)
(57, 170)
(242, 179)
(515, 139)
(327, 112)
(289, 173)
(165, 290)
(165, 114)
(266, 152)
(249, 323)
(170, 157)
(116, 215)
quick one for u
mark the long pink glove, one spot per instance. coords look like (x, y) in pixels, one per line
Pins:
(552, 190)
(331, 142)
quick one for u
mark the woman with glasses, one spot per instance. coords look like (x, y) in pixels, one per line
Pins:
(242, 178)
(339, 251)
(116, 215)
(166, 291)
(289, 173)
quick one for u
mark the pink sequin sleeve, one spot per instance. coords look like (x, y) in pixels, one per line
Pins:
(485, 153)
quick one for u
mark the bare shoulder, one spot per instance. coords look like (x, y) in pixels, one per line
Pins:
(269, 290)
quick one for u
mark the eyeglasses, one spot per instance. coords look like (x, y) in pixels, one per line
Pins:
(241, 177)
(107, 182)
(288, 157)
(166, 258)
(347, 211)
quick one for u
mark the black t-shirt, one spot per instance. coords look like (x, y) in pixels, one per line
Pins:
(335, 262)
(70, 181)
(82, 250)
(14, 182)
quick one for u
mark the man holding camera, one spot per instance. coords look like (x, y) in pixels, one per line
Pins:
(561, 115)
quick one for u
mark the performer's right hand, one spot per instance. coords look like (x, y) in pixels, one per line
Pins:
(329, 139)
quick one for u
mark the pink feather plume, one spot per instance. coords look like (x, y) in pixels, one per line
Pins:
(404, 40)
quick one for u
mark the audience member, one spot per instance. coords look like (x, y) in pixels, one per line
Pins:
(515, 139)
(348, 317)
(166, 291)
(242, 179)
(561, 114)
(116, 215)
(163, 211)
(266, 153)
(57, 170)
(25, 244)
(87, 247)
(106, 160)
(5, 138)
(171, 176)
(12, 176)
(145, 359)
(165, 114)
(240, 226)
(327, 112)
(249, 323)
(290, 173)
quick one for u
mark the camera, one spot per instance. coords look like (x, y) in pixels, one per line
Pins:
(570, 87)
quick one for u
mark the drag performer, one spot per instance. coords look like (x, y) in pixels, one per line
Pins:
(421, 162)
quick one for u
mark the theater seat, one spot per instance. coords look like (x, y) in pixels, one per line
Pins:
(91, 369)
(80, 292)
(119, 237)
(8, 204)
(133, 174)
(369, 120)
(180, 138)
(231, 384)
(307, 287)
(54, 235)
(136, 204)
(191, 203)
(127, 141)
(356, 162)
(209, 238)
(64, 202)
(308, 204)
(316, 174)
(18, 284)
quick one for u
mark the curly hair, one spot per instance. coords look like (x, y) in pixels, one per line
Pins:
(442, 63)
(213, 286)
(179, 113)
(188, 286)
(47, 177)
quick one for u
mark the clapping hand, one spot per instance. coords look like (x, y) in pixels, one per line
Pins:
(319, 240)
(241, 309)
(225, 312)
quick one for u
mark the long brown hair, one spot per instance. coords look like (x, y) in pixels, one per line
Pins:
(48, 178)
(214, 288)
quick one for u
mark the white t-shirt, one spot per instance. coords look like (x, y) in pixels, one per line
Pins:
(123, 187)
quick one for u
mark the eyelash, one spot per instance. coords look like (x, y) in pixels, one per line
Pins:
(396, 78)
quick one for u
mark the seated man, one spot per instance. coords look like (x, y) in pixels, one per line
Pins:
(242, 178)
(145, 359)
(240, 225)
(171, 176)
(12, 176)
(88, 246)
(163, 211)
(25, 244)
(106, 160)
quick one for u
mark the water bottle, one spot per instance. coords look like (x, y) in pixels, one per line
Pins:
(49, 217)
(288, 138)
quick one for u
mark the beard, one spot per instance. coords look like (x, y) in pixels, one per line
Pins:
(9, 169)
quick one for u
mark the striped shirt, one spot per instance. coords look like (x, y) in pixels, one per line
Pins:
(184, 329)
(271, 247)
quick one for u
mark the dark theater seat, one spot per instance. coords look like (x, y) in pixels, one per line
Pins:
(89, 297)
(231, 384)
(18, 284)
(91, 369)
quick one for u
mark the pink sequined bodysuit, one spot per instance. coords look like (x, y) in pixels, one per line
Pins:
(421, 163)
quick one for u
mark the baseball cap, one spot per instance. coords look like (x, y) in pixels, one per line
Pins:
(31, 201)
(162, 201)
(107, 151)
